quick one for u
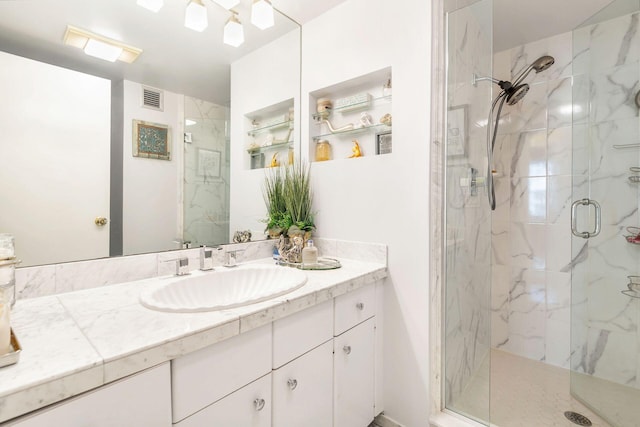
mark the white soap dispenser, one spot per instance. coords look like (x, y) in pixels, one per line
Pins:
(310, 253)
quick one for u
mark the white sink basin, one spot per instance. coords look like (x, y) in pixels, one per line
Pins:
(221, 289)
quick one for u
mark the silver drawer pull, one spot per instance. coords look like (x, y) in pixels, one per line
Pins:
(292, 383)
(347, 349)
(259, 404)
(360, 306)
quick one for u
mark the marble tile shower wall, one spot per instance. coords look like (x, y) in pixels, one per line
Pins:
(468, 231)
(532, 242)
(531, 238)
(206, 196)
(605, 333)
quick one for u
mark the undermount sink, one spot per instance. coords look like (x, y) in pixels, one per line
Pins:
(222, 289)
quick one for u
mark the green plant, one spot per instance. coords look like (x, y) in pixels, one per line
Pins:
(298, 196)
(288, 197)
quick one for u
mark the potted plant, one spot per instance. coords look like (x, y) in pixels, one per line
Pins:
(288, 197)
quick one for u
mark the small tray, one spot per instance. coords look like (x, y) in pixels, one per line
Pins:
(322, 264)
(14, 355)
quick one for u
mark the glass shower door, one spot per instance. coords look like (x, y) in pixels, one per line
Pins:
(467, 318)
(605, 313)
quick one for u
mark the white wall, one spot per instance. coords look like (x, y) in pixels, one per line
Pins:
(150, 194)
(260, 79)
(54, 161)
(382, 198)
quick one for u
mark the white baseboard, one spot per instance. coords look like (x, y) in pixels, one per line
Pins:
(383, 421)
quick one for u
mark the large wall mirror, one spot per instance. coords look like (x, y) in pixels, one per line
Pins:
(102, 158)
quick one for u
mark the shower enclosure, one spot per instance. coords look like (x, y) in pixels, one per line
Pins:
(542, 290)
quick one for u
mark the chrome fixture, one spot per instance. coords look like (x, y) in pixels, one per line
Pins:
(206, 258)
(231, 258)
(182, 266)
(574, 218)
(511, 93)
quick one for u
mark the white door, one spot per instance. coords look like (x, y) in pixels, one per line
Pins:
(54, 160)
(354, 376)
(303, 390)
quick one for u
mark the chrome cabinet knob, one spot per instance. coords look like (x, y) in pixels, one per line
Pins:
(347, 349)
(259, 404)
(360, 306)
(292, 383)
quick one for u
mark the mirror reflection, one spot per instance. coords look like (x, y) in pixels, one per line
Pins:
(117, 157)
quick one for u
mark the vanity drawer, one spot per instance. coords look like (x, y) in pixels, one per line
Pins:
(206, 376)
(296, 334)
(353, 308)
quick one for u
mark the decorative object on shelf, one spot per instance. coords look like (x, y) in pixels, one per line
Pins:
(257, 160)
(288, 197)
(151, 140)
(290, 156)
(323, 150)
(386, 119)
(634, 235)
(242, 236)
(384, 143)
(366, 119)
(386, 88)
(209, 163)
(337, 130)
(323, 107)
(290, 248)
(357, 152)
(274, 161)
(350, 103)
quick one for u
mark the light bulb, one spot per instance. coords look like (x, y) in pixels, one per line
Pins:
(195, 16)
(233, 32)
(262, 14)
(152, 5)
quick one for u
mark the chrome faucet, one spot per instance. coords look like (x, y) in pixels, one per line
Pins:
(206, 258)
(182, 266)
(231, 258)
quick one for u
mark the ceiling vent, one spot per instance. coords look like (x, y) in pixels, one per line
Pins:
(152, 98)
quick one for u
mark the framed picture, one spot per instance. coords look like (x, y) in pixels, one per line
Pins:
(457, 131)
(384, 144)
(209, 163)
(151, 140)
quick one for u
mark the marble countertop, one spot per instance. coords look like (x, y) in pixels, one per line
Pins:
(77, 341)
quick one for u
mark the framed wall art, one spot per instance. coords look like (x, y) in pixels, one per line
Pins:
(209, 163)
(457, 131)
(151, 140)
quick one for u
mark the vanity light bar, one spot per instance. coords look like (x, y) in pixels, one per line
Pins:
(76, 37)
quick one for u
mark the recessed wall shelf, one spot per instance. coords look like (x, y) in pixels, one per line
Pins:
(270, 129)
(365, 108)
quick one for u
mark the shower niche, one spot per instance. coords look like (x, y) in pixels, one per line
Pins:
(352, 119)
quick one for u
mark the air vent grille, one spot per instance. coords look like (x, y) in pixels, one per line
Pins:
(152, 98)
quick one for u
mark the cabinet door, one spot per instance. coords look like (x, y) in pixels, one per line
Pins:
(248, 407)
(303, 391)
(353, 372)
(143, 399)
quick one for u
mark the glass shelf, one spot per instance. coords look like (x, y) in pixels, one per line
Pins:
(366, 129)
(275, 126)
(271, 147)
(355, 107)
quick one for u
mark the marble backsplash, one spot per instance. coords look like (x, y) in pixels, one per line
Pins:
(32, 282)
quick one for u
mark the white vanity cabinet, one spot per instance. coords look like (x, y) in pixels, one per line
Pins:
(143, 399)
(354, 358)
(206, 376)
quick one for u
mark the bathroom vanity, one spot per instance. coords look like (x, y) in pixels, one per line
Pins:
(310, 357)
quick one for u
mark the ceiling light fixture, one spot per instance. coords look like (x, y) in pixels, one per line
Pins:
(227, 4)
(233, 31)
(152, 5)
(195, 16)
(262, 14)
(100, 46)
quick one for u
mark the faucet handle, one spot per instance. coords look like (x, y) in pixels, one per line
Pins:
(231, 256)
(206, 258)
(182, 265)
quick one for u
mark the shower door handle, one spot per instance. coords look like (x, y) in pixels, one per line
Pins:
(574, 218)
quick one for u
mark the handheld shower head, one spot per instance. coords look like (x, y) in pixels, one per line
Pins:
(516, 93)
(540, 64)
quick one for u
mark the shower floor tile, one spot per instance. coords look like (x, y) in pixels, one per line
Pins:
(527, 393)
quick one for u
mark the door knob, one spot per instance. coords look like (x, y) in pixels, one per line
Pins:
(347, 349)
(259, 404)
(101, 221)
(292, 383)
